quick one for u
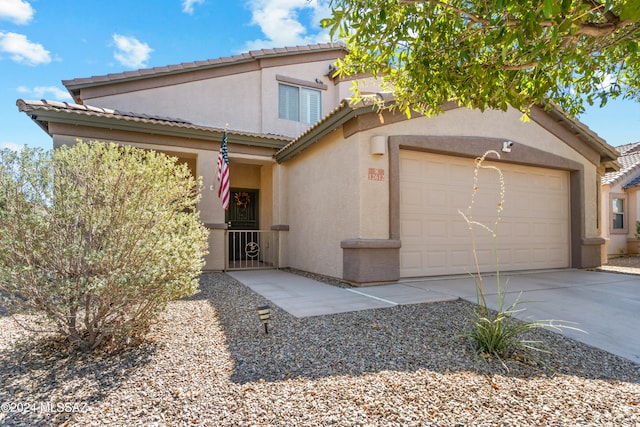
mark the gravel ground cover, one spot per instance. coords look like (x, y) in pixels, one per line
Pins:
(623, 264)
(209, 362)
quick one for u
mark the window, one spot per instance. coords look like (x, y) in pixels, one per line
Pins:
(298, 103)
(618, 212)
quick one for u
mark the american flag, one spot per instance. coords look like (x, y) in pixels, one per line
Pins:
(223, 172)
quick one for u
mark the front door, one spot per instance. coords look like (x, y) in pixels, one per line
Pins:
(242, 215)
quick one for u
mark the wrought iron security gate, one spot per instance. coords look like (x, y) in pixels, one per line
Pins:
(251, 249)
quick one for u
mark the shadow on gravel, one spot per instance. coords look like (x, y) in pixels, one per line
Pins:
(50, 377)
(401, 338)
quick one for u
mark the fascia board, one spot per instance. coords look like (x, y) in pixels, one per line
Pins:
(316, 134)
(157, 129)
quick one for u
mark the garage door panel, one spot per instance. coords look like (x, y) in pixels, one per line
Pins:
(434, 171)
(456, 176)
(409, 201)
(505, 256)
(521, 230)
(457, 200)
(436, 200)
(437, 228)
(460, 258)
(436, 259)
(411, 261)
(534, 228)
(557, 183)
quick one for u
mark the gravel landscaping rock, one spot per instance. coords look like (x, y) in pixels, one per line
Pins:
(209, 362)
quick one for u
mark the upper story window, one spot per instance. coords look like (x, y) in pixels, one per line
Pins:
(297, 103)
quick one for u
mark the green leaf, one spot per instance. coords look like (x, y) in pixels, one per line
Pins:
(631, 11)
(429, 53)
(548, 8)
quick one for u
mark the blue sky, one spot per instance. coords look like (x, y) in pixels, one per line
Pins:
(44, 41)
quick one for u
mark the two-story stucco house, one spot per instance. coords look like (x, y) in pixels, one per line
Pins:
(344, 190)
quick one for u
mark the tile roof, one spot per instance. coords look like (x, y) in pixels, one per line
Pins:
(208, 63)
(341, 111)
(27, 106)
(628, 148)
(629, 161)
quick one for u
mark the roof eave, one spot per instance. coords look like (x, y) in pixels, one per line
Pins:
(75, 85)
(608, 154)
(74, 88)
(334, 120)
(42, 117)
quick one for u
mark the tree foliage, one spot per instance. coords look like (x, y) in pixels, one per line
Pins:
(97, 238)
(492, 54)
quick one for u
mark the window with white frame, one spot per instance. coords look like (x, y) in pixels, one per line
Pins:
(618, 213)
(299, 104)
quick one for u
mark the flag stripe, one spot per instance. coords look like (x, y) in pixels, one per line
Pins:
(223, 173)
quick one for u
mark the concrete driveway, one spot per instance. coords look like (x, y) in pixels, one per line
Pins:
(606, 306)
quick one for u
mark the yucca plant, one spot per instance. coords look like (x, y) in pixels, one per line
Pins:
(495, 333)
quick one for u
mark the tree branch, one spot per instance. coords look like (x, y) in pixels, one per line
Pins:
(592, 29)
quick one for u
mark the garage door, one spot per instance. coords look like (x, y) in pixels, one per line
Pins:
(533, 232)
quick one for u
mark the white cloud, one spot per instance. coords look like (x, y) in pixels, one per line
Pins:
(282, 23)
(187, 5)
(22, 50)
(607, 80)
(41, 92)
(130, 51)
(11, 146)
(17, 11)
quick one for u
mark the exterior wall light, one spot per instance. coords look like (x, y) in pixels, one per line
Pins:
(378, 145)
(506, 146)
(264, 311)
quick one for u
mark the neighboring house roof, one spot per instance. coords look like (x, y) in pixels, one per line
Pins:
(630, 161)
(628, 148)
(63, 112)
(74, 85)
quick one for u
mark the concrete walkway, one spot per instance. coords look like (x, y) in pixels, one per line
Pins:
(604, 305)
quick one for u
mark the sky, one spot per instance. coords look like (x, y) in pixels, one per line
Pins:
(43, 42)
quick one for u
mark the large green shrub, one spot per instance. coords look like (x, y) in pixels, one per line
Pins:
(97, 238)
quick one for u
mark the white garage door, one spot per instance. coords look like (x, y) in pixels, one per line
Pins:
(533, 232)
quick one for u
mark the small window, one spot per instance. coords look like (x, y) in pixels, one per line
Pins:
(298, 104)
(618, 212)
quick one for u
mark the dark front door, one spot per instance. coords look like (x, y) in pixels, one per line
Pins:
(242, 215)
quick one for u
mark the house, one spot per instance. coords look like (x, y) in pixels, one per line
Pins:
(621, 205)
(325, 186)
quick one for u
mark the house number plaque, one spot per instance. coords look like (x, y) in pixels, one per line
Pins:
(376, 174)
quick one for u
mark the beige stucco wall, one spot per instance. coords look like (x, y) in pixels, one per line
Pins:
(213, 102)
(323, 189)
(247, 101)
(347, 204)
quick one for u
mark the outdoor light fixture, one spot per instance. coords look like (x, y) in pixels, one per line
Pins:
(378, 144)
(264, 311)
(506, 146)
